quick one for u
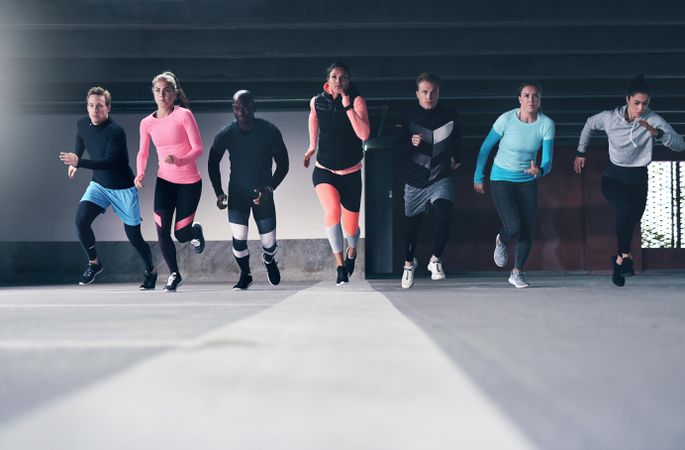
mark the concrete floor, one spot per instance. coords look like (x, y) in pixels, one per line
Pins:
(468, 363)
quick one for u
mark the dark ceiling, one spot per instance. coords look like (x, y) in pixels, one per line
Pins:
(582, 52)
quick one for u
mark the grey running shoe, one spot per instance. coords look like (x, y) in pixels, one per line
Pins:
(436, 271)
(516, 278)
(501, 255)
(199, 242)
(244, 282)
(408, 275)
(149, 281)
(89, 275)
(272, 272)
(173, 282)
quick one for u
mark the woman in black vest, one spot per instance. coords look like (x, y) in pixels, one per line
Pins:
(339, 122)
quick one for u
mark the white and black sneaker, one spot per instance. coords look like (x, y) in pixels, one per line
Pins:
(408, 275)
(149, 281)
(272, 272)
(198, 242)
(500, 256)
(90, 273)
(435, 268)
(173, 282)
(342, 276)
(244, 282)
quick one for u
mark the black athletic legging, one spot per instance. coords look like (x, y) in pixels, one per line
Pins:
(441, 229)
(86, 214)
(182, 199)
(629, 201)
(517, 205)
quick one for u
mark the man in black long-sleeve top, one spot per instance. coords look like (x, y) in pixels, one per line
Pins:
(112, 183)
(253, 144)
(430, 135)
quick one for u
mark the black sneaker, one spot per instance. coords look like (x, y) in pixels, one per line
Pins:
(342, 276)
(349, 264)
(173, 282)
(617, 276)
(149, 281)
(244, 282)
(89, 275)
(199, 242)
(272, 272)
(628, 267)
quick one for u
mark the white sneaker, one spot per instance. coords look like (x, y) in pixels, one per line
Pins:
(408, 276)
(435, 268)
(516, 278)
(501, 256)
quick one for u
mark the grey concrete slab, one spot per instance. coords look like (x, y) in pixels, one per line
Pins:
(570, 363)
(56, 339)
(575, 362)
(327, 367)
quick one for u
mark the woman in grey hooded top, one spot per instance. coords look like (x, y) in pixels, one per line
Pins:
(632, 130)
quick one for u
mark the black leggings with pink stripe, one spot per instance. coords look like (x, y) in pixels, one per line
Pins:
(182, 199)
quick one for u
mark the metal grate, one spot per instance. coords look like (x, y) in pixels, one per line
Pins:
(663, 223)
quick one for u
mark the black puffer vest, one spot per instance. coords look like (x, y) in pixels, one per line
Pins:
(339, 146)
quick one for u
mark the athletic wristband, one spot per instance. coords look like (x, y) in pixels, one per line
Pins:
(348, 107)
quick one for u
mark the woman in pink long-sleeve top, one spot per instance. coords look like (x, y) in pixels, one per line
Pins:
(338, 124)
(174, 132)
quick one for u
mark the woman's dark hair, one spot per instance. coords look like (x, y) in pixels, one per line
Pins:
(533, 83)
(338, 65)
(638, 86)
(170, 78)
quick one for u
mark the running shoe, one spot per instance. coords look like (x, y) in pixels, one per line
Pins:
(149, 281)
(617, 275)
(628, 267)
(89, 275)
(435, 268)
(408, 275)
(199, 242)
(342, 277)
(518, 280)
(501, 256)
(173, 282)
(272, 272)
(244, 282)
(349, 263)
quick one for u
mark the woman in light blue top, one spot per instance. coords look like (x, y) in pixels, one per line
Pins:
(513, 179)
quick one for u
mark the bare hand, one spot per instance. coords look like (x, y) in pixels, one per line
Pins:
(533, 170)
(138, 182)
(415, 140)
(170, 159)
(222, 201)
(71, 171)
(307, 156)
(69, 158)
(454, 165)
(653, 131)
(479, 187)
(578, 164)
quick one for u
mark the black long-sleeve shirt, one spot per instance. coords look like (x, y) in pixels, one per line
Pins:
(440, 131)
(250, 154)
(106, 146)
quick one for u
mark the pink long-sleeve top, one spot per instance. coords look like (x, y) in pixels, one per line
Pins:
(176, 134)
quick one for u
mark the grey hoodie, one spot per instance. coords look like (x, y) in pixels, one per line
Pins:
(630, 144)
